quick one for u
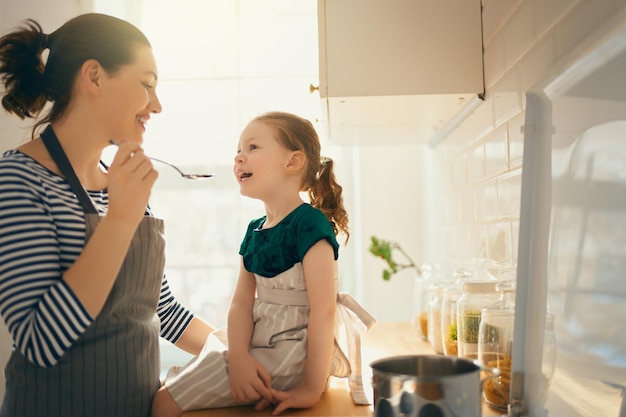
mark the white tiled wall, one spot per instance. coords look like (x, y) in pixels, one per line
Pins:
(478, 167)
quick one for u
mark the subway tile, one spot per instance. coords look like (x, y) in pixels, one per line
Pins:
(475, 159)
(518, 34)
(539, 59)
(499, 243)
(579, 23)
(496, 152)
(466, 131)
(477, 244)
(494, 62)
(461, 138)
(516, 140)
(442, 174)
(467, 205)
(506, 97)
(486, 201)
(545, 13)
(495, 15)
(509, 189)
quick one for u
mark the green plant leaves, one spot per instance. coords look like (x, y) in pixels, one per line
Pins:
(384, 249)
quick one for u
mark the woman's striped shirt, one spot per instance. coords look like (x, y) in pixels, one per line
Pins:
(42, 232)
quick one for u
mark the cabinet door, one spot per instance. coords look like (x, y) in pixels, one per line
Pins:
(396, 71)
(399, 47)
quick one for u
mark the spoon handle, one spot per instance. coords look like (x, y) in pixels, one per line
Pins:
(188, 176)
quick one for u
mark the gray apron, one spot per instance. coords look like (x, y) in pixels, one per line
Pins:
(112, 370)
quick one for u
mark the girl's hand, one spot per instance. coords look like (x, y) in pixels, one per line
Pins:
(130, 180)
(302, 396)
(249, 380)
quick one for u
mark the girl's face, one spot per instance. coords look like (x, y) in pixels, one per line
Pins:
(260, 162)
(130, 97)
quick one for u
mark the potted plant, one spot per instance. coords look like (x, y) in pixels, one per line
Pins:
(386, 249)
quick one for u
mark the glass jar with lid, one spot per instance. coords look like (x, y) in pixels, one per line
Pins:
(475, 296)
(421, 285)
(495, 348)
(495, 343)
(450, 296)
(506, 289)
(435, 295)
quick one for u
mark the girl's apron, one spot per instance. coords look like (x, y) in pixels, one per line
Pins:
(113, 368)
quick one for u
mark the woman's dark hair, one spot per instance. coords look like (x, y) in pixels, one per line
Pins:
(298, 134)
(29, 82)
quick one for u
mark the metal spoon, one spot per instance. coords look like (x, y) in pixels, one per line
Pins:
(182, 174)
(188, 176)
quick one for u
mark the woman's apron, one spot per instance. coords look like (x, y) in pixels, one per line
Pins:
(112, 370)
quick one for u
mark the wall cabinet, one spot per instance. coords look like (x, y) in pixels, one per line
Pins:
(395, 70)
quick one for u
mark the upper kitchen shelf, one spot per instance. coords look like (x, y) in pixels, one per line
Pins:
(397, 70)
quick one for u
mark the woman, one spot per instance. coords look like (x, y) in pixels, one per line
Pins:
(82, 289)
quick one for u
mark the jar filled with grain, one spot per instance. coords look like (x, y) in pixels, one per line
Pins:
(475, 296)
(435, 295)
(495, 345)
(421, 285)
(451, 294)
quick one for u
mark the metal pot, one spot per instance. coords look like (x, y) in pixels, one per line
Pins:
(426, 386)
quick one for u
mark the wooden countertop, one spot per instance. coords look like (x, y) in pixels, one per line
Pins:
(383, 340)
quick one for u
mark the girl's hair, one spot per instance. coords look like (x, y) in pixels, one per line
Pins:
(29, 82)
(298, 134)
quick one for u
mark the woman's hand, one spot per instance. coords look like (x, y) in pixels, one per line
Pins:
(249, 380)
(130, 180)
(129, 183)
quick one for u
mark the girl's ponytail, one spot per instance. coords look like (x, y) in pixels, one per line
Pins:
(22, 70)
(325, 194)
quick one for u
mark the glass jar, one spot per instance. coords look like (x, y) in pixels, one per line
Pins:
(507, 294)
(450, 297)
(451, 294)
(435, 295)
(421, 284)
(495, 343)
(476, 295)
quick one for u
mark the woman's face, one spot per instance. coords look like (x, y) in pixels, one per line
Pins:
(130, 97)
(260, 161)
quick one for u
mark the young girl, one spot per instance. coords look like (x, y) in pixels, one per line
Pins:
(281, 325)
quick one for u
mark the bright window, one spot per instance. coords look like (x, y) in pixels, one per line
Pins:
(220, 63)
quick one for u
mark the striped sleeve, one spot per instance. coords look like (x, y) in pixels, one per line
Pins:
(174, 316)
(42, 313)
